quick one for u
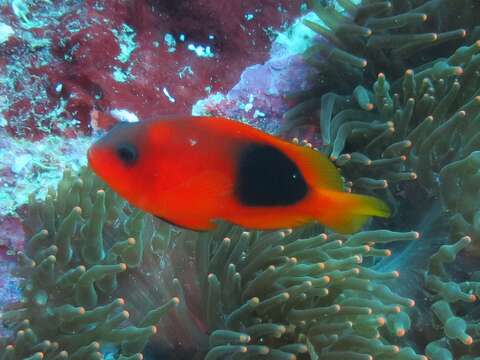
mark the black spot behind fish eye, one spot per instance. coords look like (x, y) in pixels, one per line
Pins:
(127, 153)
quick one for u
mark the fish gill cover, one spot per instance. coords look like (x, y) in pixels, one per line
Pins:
(390, 90)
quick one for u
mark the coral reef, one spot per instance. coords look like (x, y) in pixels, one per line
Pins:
(63, 59)
(398, 114)
(259, 97)
(23, 163)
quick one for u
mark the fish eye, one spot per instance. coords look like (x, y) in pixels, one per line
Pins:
(127, 153)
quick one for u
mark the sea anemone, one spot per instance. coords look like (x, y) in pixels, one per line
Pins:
(98, 277)
(369, 37)
(82, 241)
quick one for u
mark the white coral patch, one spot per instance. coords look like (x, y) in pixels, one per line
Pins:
(5, 32)
(124, 115)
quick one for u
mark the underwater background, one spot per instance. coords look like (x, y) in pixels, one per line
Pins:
(389, 90)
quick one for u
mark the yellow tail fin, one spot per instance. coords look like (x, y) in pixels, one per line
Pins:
(345, 212)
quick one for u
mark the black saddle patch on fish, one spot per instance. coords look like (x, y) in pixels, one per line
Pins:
(267, 177)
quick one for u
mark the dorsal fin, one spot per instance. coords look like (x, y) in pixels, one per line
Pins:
(318, 167)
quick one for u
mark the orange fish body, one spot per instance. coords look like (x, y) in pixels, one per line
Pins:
(195, 170)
